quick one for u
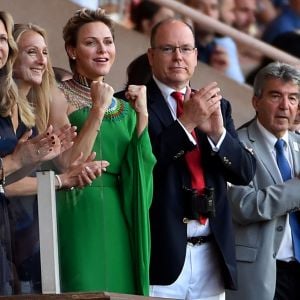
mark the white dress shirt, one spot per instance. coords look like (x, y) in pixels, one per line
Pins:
(285, 252)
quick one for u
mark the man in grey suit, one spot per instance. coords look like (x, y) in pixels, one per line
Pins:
(262, 211)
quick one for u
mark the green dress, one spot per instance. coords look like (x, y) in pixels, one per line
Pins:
(103, 229)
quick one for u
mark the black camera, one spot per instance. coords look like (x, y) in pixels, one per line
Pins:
(199, 203)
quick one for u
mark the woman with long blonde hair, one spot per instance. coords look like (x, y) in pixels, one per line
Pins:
(26, 108)
(15, 159)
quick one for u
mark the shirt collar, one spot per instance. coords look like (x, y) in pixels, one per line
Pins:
(166, 90)
(270, 138)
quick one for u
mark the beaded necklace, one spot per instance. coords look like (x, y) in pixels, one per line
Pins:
(77, 92)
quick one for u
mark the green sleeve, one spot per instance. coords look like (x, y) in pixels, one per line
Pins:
(137, 189)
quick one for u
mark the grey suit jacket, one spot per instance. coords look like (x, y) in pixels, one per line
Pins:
(259, 213)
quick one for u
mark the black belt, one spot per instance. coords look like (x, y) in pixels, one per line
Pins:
(198, 240)
(293, 264)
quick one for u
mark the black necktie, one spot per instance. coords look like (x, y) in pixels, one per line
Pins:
(286, 174)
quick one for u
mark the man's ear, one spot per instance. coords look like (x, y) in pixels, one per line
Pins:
(196, 52)
(196, 56)
(150, 56)
(255, 102)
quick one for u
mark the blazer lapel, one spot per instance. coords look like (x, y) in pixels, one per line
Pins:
(262, 152)
(158, 104)
(295, 150)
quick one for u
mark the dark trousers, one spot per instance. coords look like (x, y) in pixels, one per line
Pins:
(287, 281)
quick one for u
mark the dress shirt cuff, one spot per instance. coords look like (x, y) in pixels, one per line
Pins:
(191, 138)
(217, 147)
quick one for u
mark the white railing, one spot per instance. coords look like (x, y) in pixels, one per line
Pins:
(48, 233)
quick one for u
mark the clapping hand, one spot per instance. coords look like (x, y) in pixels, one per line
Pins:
(44, 146)
(219, 59)
(82, 173)
(29, 152)
(202, 109)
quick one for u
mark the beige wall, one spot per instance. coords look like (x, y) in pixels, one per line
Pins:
(52, 15)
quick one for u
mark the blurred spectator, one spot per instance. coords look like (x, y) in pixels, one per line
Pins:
(296, 125)
(227, 11)
(280, 3)
(287, 20)
(288, 42)
(61, 74)
(87, 3)
(116, 9)
(248, 17)
(139, 71)
(219, 52)
(245, 16)
(146, 14)
(265, 13)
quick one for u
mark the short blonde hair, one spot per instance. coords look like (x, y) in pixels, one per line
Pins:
(80, 18)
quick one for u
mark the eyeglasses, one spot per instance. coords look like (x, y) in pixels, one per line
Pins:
(168, 49)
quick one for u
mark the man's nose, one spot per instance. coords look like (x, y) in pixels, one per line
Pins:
(285, 102)
(177, 52)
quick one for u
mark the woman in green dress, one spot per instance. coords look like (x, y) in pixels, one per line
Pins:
(104, 240)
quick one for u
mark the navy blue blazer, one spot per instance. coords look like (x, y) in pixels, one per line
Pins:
(232, 163)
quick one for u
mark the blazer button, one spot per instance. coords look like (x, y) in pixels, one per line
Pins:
(185, 220)
(226, 161)
(279, 228)
(180, 153)
(274, 255)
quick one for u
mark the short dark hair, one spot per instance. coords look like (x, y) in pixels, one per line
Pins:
(144, 10)
(139, 71)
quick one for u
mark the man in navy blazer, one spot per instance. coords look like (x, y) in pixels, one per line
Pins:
(190, 260)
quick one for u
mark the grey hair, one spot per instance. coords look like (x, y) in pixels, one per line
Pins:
(275, 70)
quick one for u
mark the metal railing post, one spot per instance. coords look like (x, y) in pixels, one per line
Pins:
(48, 232)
